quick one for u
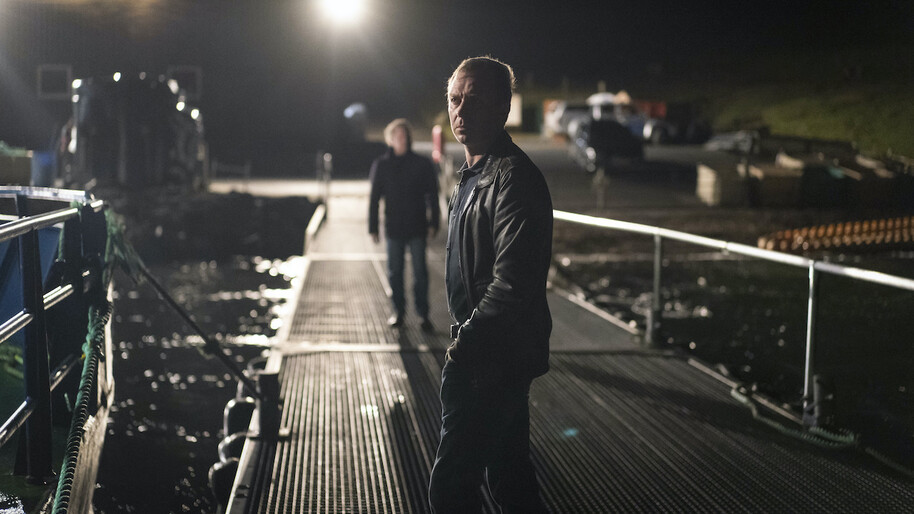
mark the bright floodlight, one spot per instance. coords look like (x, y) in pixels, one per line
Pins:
(343, 12)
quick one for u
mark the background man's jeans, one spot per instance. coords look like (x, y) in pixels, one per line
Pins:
(396, 251)
(485, 433)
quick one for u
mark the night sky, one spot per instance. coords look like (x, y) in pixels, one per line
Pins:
(273, 70)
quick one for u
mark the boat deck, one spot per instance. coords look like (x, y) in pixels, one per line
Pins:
(615, 427)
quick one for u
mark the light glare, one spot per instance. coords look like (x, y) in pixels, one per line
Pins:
(117, 76)
(343, 12)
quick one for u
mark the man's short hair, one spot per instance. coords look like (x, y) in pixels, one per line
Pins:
(501, 74)
(399, 122)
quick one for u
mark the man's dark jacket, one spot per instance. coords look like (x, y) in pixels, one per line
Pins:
(505, 253)
(409, 185)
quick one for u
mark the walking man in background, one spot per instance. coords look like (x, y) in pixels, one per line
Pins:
(499, 250)
(409, 185)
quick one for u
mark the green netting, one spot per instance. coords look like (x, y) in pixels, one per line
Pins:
(119, 253)
(92, 348)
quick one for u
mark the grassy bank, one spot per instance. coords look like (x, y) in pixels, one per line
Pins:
(879, 119)
(861, 95)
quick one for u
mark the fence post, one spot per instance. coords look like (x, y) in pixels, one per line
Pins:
(37, 466)
(323, 171)
(328, 174)
(652, 334)
(268, 404)
(809, 404)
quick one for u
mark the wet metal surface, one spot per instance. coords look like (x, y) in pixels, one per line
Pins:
(615, 428)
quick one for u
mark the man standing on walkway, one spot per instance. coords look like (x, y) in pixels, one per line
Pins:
(409, 185)
(498, 255)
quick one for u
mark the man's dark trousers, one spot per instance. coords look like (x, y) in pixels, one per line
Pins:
(396, 253)
(485, 434)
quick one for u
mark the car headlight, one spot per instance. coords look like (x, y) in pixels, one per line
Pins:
(648, 128)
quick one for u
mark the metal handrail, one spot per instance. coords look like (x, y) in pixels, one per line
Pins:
(31, 223)
(814, 267)
(19, 320)
(57, 295)
(51, 193)
(16, 323)
(14, 422)
(34, 414)
(875, 277)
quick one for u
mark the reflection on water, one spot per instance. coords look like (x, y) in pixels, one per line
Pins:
(167, 419)
(10, 504)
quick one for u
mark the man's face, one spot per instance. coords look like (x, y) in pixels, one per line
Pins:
(399, 141)
(476, 116)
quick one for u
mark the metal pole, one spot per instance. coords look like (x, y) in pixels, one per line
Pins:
(809, 417)
(38, 467)
(328, 175)
(654, 315)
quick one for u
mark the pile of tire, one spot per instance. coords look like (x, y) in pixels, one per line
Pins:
(866, 235)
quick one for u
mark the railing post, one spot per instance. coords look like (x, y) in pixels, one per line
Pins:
(652, 334)
(809, 405)
(328, 175)
(323, 170)
(37, 466)
(268, 404)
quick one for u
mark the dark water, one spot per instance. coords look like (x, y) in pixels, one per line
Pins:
(167, 421)
(166, 425)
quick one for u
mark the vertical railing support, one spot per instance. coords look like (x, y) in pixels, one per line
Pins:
(37, 466)
(809, 405)
(323, 170)
(652, 334)
(327, 176)
(268, 404)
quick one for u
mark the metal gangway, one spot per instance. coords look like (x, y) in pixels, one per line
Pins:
(616, 426)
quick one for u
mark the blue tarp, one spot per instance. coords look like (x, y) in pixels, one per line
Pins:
(11, 276)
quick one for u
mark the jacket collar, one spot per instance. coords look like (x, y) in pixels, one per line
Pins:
(502, 147)
(389, 153)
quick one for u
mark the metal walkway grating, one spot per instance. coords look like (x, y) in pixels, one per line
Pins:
(614, 428)
(342, 302)
(362, 436)
(642, 433)
(612, 432)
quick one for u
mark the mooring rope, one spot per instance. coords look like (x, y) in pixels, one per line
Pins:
(98, 319)
(118, 252)
(832, 439)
